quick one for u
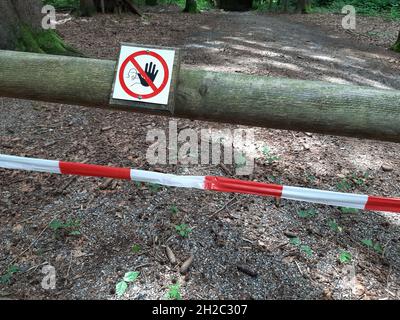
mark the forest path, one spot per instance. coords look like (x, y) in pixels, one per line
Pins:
(276, 45)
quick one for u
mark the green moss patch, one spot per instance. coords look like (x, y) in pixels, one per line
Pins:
(396, 46)
(45, 41)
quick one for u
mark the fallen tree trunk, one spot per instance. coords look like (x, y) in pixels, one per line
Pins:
(311, 106)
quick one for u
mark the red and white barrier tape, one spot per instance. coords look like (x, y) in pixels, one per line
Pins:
(221, 184)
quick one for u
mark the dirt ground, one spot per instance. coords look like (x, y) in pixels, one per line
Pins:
(227, 230)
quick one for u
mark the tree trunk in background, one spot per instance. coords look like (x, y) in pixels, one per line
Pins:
(191, 6)
(90, 7)
(396, 46)
(17, 15)
(285, 5)
(151, 2)
(235, 5)
(303, 6)
(87, 8)
(21, 29)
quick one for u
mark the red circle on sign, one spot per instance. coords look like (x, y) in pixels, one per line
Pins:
(131, 59)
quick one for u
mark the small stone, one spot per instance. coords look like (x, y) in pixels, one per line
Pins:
(387, 168)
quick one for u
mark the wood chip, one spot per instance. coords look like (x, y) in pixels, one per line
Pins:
(387, 168)
(247, 270)
(106, 183)
(289, 234)
(106, 128)
(186, 265)
(170, 255)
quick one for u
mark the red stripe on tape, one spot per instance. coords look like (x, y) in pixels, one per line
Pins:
(250, 187)
(383, 204)
(94, 170)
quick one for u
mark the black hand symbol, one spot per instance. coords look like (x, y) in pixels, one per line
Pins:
(151, 73)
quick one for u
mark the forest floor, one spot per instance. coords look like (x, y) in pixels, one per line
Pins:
(227, 230)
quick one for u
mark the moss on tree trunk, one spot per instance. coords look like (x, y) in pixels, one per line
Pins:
(21, 29)
(191, 6)
(396, 46)
(43, 41)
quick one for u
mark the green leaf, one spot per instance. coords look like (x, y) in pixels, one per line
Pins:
(378, 248)
(174, 209)
(334, 226)
(120, 288)
(295, 241)
(348, 210)
(307, 250)
(131, 276)
(174, 292)
(345, 257)
(183, 230)
(367, 242)
(154, 187)
(56, 224)
(136, 248)
(307, 213)
(75, 233)
(13, 269)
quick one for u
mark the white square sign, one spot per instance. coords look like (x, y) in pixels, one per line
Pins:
(144, 74)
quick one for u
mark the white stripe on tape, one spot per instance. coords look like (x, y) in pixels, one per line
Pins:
(325, 197)
(13, 162)
(168, 179)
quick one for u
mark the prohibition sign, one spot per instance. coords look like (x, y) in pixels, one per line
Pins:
(132, 59)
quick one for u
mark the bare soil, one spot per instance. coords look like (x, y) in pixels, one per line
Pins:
(228, 230)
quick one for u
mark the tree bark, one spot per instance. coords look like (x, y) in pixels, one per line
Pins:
(21, 29)
(301, 105)
(90, 7)
(396, 46)
(191, 6)
(87, 8)
(303, 6)
(235, 5)
(17, 15)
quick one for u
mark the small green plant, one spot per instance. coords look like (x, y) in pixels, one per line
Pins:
(174, 292)
(183, 230)
(303, 248)
(307, 250)
(138, 184)
(348, 210)
(174, 209)
(345, 257)
(376, 246)
(334, 226)
(352, 181)
(274, 179)
(309, 213)
(6, 278)
(70, 227)
(310, 178)
(121, 286)
(343, 186)
(295, 241)
(154, 187)
(240, 160)
(136, 248)
(269, 156)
